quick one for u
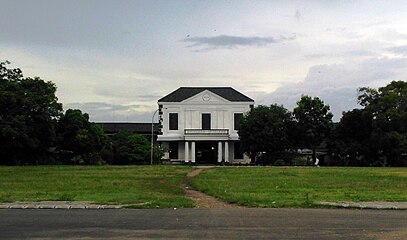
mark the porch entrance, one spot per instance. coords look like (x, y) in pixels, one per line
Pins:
(206, 152)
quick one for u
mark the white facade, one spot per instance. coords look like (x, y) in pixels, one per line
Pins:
(192, 140)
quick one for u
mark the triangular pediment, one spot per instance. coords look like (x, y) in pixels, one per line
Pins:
(206, 97)
(184, 93)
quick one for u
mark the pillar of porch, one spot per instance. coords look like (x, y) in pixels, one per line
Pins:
(186, 152)
(219, 152)
(193, 152)
(226, 151)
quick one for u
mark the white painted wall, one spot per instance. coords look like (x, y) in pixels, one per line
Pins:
(190, 114)
(190, 117)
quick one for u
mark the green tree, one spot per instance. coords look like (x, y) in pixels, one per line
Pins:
(266, 130)
(388, 108)
(314, 121)
(130, 148)
(83, 140)
(350, 138)
(29, 111)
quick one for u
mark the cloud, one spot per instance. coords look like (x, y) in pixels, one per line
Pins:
(99, 106)
(106, 112)
(127, 93)
(343, 32)
(400, 50)
(229, 42)
(337, 53)
(392, 35)
(297, 15)
(337, 84)
(128, 89)
(349, 50)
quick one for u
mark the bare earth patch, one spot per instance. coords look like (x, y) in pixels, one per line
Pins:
(201, 199)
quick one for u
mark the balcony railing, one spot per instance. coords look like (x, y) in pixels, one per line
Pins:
(209, 132)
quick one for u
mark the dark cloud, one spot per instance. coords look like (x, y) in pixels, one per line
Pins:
(337, 84)
(90, 24)
(53, 24)
(400, 50)
(228, 42)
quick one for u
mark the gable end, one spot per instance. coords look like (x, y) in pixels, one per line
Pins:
(183, 93)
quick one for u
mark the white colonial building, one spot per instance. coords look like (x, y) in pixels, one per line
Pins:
(200, 124)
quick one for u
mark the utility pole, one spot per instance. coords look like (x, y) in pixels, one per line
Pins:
(152, 138)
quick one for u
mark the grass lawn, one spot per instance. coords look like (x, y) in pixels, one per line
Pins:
(301, 186)
(158, 186)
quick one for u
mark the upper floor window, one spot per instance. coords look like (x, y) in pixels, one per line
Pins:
(173, 121)
(206, 121)
(237, 120)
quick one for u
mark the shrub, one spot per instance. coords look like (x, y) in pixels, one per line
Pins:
(300, 161)
(130, 148)
(279, 162)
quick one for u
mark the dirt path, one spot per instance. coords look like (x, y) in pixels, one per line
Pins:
(201, 199)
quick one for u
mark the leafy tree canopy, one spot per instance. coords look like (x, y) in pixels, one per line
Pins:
(85, 140)
(29, 110)
(130, 148)
(266, 129)
(314, 121)
(350, 139)
(388, 108)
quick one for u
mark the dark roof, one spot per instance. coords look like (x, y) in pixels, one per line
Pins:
(183, 93)
(141, 128)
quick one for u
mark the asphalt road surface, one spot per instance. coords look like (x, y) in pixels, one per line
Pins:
(235, 223)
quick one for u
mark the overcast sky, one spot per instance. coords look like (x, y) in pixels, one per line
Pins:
(115, 59)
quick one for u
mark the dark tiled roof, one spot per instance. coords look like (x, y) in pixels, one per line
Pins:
(141, 128)
(183, 93)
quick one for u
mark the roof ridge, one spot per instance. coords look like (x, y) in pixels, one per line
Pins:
(182, 93)
(205, 87)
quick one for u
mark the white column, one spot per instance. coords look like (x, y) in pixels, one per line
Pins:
(226, 151)
(219, 152)
(186, 152)
(193, 152)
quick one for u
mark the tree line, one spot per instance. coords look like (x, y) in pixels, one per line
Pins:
(373, 135)
(34, 129)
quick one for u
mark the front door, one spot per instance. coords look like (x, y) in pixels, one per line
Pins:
(206, 152)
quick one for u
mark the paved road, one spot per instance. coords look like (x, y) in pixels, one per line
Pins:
(244, 223)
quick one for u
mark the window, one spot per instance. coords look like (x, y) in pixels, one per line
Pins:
(173, 121)
(206, 121)
(173, 150)
(238, 153)
(238, 118)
